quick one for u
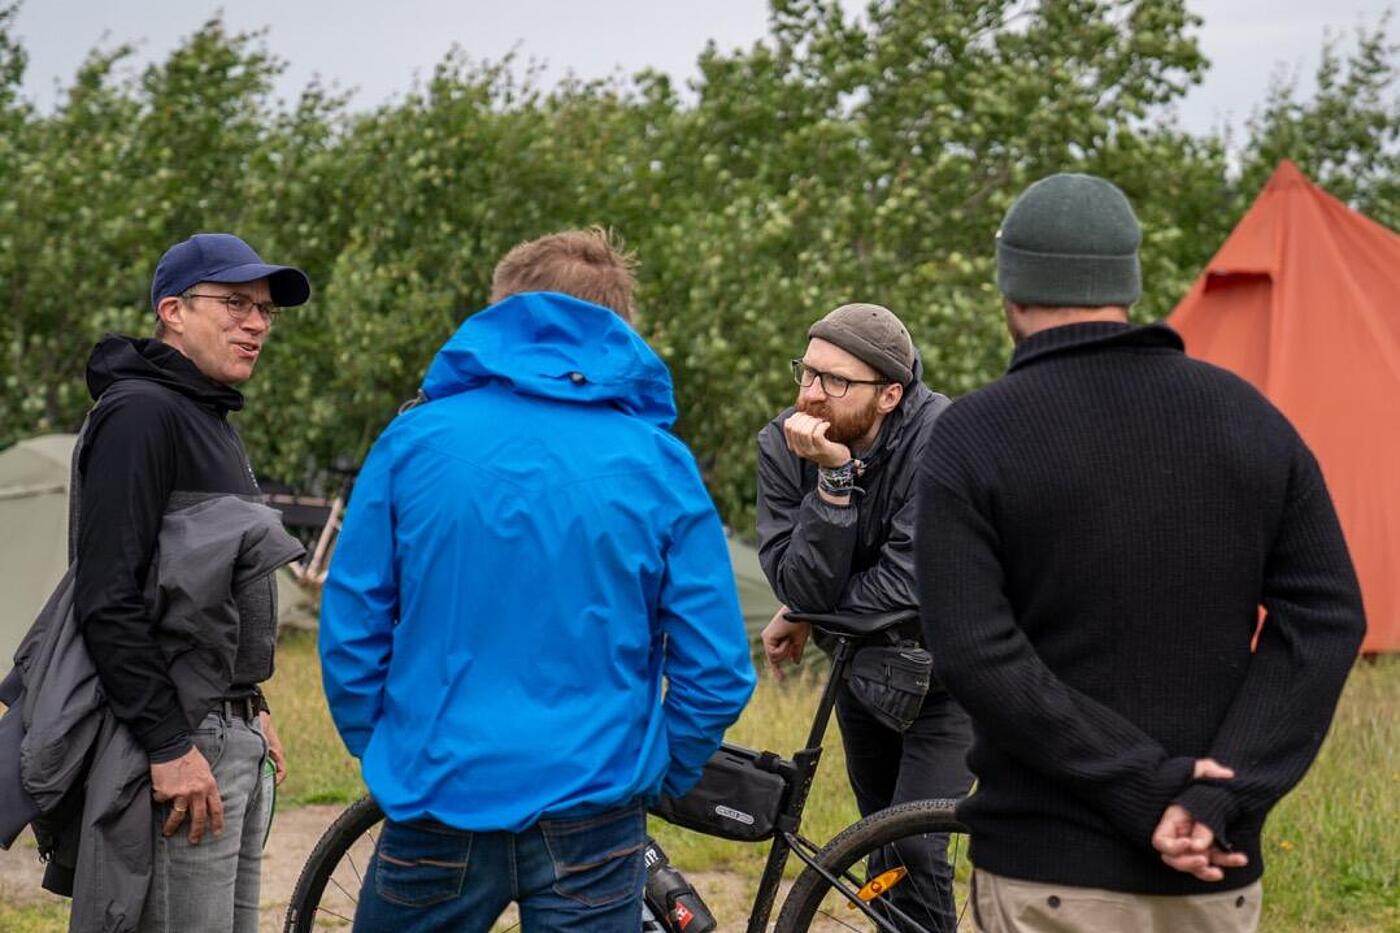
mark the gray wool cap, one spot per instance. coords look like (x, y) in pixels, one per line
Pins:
(1070, 241)
(873, 335)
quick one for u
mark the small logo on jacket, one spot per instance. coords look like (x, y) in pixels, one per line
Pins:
(732, 814)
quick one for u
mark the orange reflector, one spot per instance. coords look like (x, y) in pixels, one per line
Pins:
(880, 884)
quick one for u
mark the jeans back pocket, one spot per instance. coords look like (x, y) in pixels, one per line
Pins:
(597, 859)
(418, 865)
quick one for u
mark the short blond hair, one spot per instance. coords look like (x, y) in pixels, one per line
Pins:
(588, 264)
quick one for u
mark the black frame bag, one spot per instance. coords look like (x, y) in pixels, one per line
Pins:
(891, 681)
(739, 796)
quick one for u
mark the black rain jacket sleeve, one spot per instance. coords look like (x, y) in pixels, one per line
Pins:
(128, 467)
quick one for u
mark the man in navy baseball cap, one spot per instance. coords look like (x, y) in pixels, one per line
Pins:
(197, 276)
(159, 439)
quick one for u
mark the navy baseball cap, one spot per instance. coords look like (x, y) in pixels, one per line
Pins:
(223, 257)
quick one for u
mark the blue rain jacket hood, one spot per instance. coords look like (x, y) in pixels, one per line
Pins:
(527, 554)
(553, 346)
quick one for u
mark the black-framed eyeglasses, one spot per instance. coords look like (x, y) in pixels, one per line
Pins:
(833, 385)
(239, 306)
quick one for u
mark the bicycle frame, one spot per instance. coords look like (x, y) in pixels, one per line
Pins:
(805, 763)
(788, 841)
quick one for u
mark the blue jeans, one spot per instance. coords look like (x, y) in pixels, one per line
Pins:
(575, 875)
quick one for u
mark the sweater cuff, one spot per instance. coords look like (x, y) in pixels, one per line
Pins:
(170, 750)
(167, 740)
(1209, 802)
(1139, 804)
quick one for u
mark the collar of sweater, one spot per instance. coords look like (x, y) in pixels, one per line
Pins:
(1093, 335)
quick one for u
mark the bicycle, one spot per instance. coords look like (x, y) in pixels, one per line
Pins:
(834, 878)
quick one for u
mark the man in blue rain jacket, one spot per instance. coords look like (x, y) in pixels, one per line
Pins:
(530, 626)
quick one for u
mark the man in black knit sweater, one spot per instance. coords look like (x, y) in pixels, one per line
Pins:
(1096, 533)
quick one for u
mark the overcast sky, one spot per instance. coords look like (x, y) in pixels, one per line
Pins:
(378, 48)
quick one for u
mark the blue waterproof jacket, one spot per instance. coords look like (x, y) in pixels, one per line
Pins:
(525, 557)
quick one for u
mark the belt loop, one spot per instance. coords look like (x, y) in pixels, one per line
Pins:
(245, 708)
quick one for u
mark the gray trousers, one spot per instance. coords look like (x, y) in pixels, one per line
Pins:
(213, 887)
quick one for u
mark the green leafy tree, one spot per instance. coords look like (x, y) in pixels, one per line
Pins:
(841, 158)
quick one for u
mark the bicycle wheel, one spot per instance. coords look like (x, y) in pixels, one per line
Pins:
(813, 904)
(329, 886)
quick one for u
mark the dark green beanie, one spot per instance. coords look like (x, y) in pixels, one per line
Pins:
(1070, 241)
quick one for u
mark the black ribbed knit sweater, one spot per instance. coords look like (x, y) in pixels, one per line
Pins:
(1096, 532)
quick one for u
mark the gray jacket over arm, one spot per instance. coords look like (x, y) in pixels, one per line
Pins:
(69, 747)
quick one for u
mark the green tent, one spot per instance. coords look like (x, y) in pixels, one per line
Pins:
(34, 549)
(755, 596)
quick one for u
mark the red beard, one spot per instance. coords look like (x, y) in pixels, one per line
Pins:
(846, 426)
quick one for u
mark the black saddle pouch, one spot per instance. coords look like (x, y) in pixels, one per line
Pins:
(891, 681)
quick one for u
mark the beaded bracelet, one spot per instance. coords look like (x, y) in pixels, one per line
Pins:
(840, 481)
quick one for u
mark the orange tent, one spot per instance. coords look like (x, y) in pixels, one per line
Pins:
(1303, 300)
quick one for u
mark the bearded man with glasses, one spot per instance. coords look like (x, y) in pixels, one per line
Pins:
(836, 479)
(158, 448)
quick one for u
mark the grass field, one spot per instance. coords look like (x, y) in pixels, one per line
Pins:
(1332, 846)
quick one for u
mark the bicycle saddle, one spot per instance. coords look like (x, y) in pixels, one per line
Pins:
(854, 624)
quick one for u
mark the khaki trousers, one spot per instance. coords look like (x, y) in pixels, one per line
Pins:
(1007, 905)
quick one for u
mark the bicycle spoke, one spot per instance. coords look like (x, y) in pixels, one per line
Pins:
(327, 910)
(926, 889)
(953, 856)
(835, 919)
(336, 881)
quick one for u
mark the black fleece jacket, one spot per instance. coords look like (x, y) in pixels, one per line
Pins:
(1096, 533)
(160, 430)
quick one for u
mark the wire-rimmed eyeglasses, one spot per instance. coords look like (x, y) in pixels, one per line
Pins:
(239, 306)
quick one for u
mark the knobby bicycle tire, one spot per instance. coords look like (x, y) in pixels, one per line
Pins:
(845, 854)
(332, 848)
